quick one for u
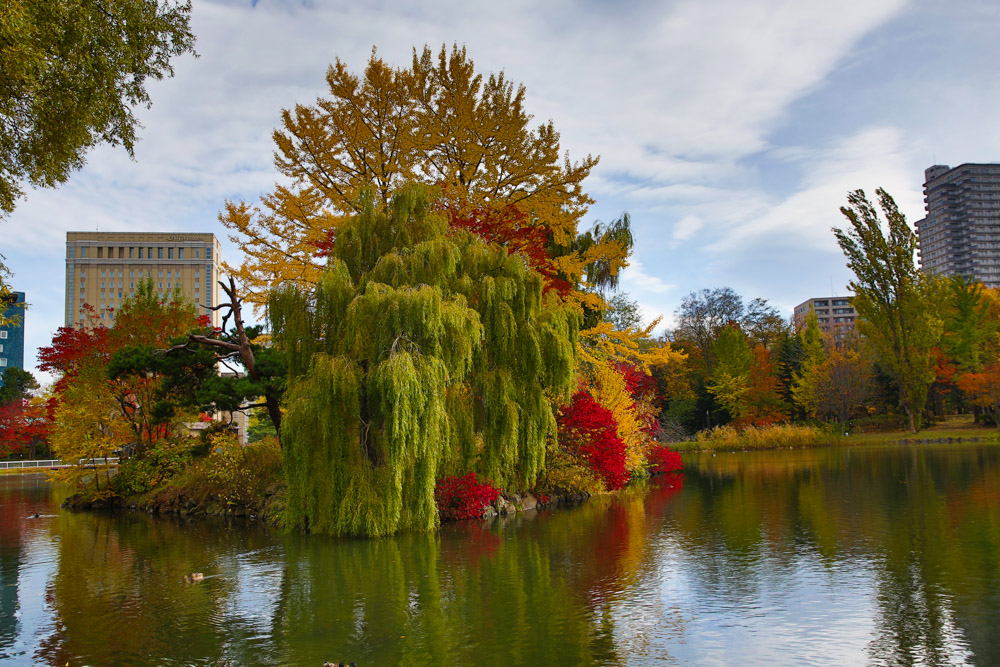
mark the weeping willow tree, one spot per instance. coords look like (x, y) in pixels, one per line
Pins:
(421, 352)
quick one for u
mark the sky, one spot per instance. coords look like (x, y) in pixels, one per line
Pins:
(731, 131)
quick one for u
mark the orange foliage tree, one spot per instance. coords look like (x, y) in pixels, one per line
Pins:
(983, 389)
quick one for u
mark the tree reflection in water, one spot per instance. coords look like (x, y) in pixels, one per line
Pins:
(884, 555)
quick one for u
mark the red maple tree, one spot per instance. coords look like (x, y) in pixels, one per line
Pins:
(24, 427)
(510, 227)
(590, 430)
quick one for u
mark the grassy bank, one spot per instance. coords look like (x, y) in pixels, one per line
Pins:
(954, 428)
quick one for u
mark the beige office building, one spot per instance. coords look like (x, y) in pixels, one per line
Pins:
(103, 269)
(835, 315)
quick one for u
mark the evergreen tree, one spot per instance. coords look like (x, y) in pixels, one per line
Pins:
(422, 351)
(967, 327)
(805, 385)
(729, 382)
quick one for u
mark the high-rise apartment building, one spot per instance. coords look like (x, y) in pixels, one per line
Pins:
(961, 233)
(103, 269)
(835, 314)
(12, 335)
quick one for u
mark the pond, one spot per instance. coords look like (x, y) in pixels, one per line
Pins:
(872, 555)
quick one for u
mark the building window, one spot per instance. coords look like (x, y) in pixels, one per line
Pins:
(131, 253)
(100, 253)
(170, 253)
(3, 362)
(121, 253)
(140, 253)
(180, 253)
(208, 253)
(197, 253)
(131, 274)
(1, 347)
(3, 335)
(159, 253)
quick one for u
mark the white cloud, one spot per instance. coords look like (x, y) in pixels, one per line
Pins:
(687, 227)
(634, 278)
(875, 157)
(682, 101)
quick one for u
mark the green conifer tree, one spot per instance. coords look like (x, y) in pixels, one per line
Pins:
(806, 382)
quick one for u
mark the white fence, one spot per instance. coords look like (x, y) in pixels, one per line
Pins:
(56, 463)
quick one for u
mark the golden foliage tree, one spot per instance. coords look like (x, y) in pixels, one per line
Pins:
(437, 122)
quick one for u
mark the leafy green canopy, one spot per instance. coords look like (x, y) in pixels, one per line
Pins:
(70, 74)
(421, 351)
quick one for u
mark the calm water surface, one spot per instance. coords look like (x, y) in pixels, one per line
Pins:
(881, 556)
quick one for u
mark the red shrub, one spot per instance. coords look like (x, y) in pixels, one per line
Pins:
(590, 429)
(663, 459)
(463, 497)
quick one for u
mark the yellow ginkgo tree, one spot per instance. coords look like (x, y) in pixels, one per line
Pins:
(437, 122)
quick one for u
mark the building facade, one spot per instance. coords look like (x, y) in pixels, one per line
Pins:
(960, 234)
(12, 335)
(835, 314)
(103, 269)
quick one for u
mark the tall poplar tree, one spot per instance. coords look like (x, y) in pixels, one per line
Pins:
(894, 313)
(421, 351)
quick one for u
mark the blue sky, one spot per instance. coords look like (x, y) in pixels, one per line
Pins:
(730, 130)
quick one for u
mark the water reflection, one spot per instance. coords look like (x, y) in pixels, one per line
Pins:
(883, 556)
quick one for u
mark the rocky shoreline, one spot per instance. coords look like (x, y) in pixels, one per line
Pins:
(269, 508)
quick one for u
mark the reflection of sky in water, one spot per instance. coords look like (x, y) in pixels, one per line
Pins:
(820, 614)
(41, 556)
(256, 586)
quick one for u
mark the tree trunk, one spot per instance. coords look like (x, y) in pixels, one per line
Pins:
(274, 412)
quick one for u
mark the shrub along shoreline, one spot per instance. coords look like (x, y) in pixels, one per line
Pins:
(782, 436)
(247, 482)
